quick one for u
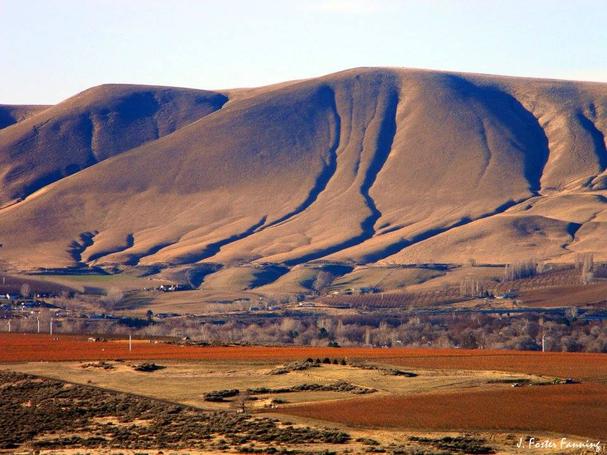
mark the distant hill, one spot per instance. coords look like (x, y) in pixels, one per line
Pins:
(90, 127)
(9, 115)
(363, 166)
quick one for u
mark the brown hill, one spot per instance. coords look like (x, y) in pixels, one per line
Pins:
(362, 166)
(11, 114)
(90, 127)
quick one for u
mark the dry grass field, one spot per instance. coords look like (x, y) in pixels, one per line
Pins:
(186, 381)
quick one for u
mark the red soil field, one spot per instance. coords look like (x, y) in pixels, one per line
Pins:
(577, 409)
(578, 365)
(16, 347)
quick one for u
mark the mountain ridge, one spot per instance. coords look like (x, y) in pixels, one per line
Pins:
(369, 165)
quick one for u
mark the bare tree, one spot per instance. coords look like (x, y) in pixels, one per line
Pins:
(322, 281)
(112, 299)
(469, 287)
(367, 336)
(25, 290)
(240, 402)
(585, 264)
(521, 269)
(587, 277)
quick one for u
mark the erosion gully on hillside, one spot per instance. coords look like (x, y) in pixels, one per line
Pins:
(364, 166)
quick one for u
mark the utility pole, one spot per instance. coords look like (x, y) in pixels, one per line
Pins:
(130, 343)
(9, 326)
(541, 323)
(38, 321)
(50, 330)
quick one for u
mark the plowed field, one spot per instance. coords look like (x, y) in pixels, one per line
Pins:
(577, 409)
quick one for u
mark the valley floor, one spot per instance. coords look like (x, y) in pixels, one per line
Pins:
(397, 400)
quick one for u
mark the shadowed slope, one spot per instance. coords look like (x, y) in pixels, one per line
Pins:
(179, 196)
(11, 114)
(366, 103)
(455, 138)
(90, 127)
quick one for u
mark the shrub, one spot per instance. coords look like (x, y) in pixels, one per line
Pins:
(220, 395)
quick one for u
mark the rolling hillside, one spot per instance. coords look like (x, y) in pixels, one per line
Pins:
(11, 114)
(364, 166)
(90, 127)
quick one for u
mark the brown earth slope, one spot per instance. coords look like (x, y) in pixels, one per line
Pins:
(11, 114)
(90, 127)
(363, 166)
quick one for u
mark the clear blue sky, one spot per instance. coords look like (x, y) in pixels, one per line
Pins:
(50, 50)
